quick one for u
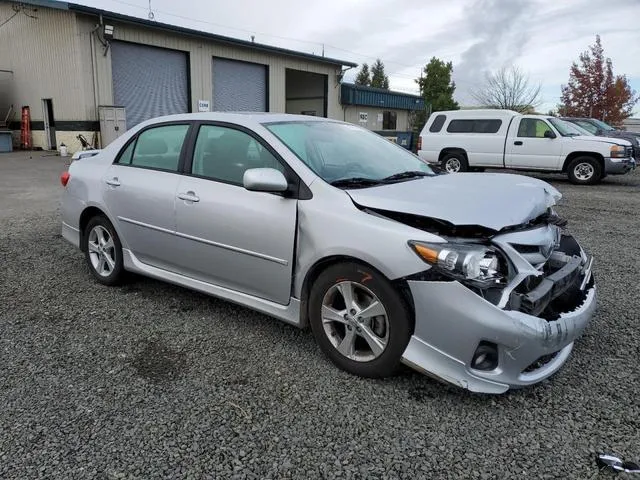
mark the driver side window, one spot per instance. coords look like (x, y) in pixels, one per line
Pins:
(532, 128)
(224, 154)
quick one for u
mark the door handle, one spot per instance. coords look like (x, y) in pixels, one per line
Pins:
(189, 197)
(113, 182)
(517, 142)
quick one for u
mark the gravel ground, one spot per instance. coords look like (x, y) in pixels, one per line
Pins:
(154, 381)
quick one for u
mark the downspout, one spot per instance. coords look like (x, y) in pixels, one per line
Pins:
(96, 85)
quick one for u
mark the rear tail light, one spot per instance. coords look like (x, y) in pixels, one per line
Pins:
(419, 142)
(64, 178)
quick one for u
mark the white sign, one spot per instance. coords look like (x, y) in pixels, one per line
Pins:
(363, 117)
(203, 105)
(379, 117)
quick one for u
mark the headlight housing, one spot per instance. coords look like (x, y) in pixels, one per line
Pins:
(618, 151)
(477, 264)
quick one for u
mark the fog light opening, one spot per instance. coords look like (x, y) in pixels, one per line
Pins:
(485, 357)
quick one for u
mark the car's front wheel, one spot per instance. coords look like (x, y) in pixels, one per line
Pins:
(359, 320)
(584, 171)
(103, 251)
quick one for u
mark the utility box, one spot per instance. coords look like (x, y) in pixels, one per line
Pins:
(113, 123)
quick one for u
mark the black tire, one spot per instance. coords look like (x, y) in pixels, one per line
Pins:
(452, 157)
(577, 168)
(116, 275)
(400, 322)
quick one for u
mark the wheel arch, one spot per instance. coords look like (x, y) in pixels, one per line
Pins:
(400, 285)
(573, 155)
(447, 150)
(87, 214)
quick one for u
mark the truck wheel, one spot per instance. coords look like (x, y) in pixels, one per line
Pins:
(454, 163)
(584, 171)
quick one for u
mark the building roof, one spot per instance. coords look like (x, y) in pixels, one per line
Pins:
(352, 94)
(187, 31)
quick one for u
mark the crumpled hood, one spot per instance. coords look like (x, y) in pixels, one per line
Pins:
(491, 200)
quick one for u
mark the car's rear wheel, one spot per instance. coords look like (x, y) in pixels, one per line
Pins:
(103, 251)
(584, 171)
(454, 162)
(359, 320)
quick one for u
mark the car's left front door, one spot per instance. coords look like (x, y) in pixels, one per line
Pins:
(229, 236)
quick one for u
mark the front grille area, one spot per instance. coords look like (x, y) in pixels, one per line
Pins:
(628, 151)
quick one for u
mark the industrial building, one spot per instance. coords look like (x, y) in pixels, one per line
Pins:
(91, 74)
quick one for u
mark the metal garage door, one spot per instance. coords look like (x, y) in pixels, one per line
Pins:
(239, 86)
(149, 81)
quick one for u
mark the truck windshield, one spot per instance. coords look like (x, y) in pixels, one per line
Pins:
(337, 152)
(566, 129)
(604, 126)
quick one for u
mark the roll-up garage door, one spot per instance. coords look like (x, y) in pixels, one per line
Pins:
(239, 86)
(149, 81)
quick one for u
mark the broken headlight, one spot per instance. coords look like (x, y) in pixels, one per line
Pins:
(476, 263)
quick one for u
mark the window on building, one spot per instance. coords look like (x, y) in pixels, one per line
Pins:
(157, 148)
(532, 128)
(224, 154)
(389, 120)
(437, 124)
(474, 126)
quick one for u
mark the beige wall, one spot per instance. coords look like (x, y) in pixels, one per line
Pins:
(352, 115)
(43, 54)
(57, 56)
(201, 52)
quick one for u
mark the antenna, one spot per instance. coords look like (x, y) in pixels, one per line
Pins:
(151, 14)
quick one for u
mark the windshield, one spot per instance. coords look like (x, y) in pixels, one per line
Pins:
(338, 151)
(602, 125)
(566, 129)
(590, 127)
(583, 130)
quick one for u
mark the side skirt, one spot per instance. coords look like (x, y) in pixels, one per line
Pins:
(287, 313)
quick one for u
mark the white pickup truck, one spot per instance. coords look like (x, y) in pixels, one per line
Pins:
(472, 140)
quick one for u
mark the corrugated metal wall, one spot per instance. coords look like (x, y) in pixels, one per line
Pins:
(43, 54)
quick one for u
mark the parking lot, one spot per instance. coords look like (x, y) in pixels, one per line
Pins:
(152, 380)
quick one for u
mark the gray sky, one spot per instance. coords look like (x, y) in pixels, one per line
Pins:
(542, 37)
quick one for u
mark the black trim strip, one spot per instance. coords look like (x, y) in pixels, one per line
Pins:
(62, 125)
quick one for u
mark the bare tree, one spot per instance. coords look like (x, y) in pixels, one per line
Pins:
(508, 88)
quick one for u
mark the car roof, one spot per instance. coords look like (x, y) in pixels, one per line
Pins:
(241, 118)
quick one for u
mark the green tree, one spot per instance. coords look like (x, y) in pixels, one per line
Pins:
(363, 77)
(436, 87)
(378, 77)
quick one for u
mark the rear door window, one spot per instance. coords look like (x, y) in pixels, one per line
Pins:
(159, 147)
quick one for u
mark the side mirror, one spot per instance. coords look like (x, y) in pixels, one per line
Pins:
(264, 180)
(549, 134)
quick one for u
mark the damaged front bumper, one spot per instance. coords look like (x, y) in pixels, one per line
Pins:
(452, 322)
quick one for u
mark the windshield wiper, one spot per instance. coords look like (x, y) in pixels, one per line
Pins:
(405, 176)
(355, 182)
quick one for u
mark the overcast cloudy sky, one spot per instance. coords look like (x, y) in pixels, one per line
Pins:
(542, 37)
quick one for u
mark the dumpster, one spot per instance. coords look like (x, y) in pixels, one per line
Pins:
(6, 144)
(404, 139)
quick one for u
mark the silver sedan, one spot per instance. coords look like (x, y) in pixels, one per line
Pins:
(469, 278)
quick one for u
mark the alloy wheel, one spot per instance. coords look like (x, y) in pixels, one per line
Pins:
(355, 321)
(102, 252)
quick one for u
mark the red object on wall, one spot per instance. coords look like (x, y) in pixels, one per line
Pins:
(25, 129)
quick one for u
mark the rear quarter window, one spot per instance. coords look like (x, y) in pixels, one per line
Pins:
(437, 124)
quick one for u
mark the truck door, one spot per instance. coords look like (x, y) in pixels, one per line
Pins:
(532, 143)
